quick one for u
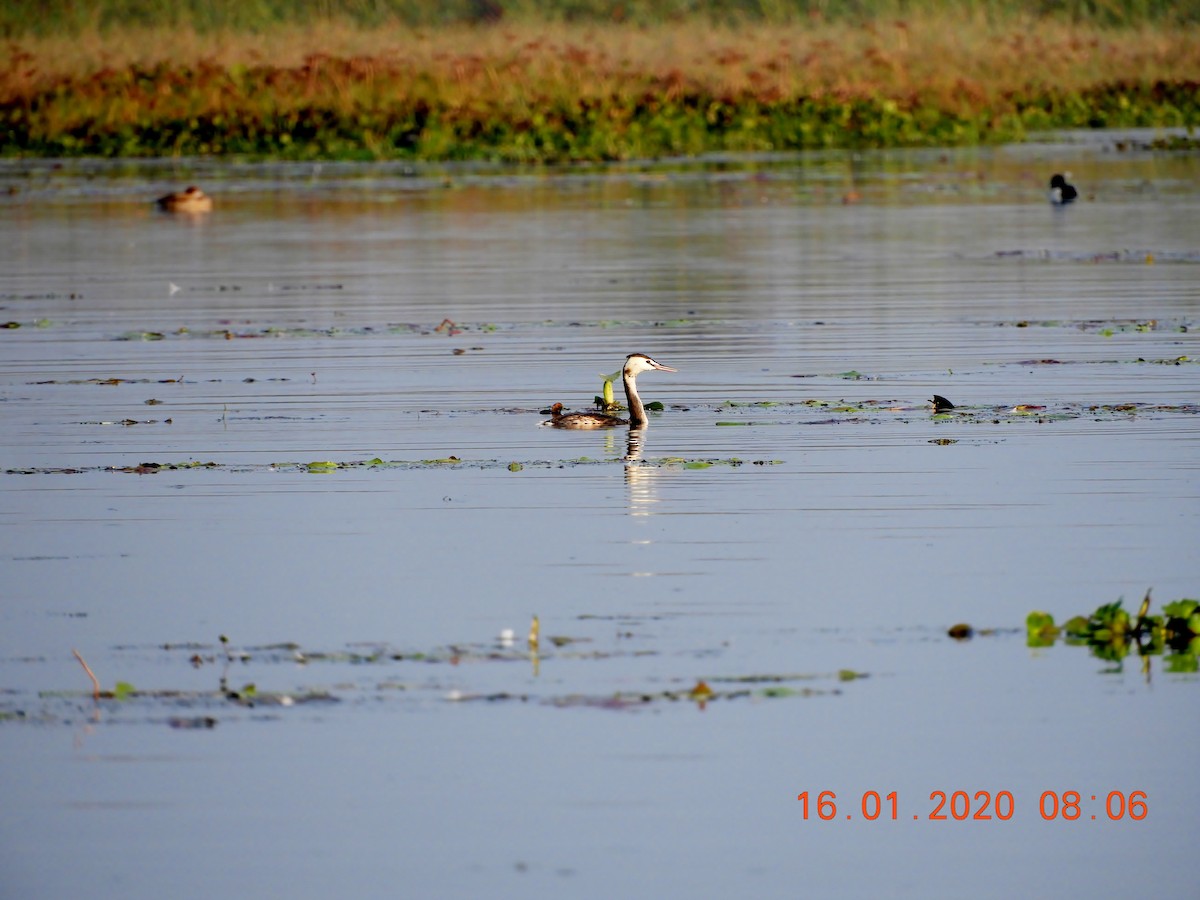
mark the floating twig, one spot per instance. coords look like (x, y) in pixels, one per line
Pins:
(90, 674)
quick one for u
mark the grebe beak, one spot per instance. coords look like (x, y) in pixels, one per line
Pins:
(663, 368)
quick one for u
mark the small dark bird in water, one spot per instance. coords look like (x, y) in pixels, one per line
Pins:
(635, 364)
(941, 404)
(1060, 191)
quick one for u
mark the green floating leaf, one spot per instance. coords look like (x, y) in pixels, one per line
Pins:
(697, 464)
(515, 467)
(1183, 663)
(778, 692)
(325, 466)
(1040, 629)
(1038, 621)
(1180, 609)
(123, 690)
(1109, 618)
(1076, 626)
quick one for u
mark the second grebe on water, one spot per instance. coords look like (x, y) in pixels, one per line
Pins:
(635, 364)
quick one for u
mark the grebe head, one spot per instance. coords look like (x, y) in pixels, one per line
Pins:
(637, 363)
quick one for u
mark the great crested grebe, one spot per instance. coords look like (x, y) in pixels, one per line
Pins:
(191, 200)
(1060, 191)
(635, 364)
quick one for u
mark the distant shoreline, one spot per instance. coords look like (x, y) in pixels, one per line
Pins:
(549, 92)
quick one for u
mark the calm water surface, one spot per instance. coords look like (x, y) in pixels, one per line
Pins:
(795, 512)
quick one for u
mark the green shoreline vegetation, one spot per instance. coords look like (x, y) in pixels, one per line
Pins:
(537, 81)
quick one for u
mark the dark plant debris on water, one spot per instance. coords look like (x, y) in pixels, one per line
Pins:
(460, 673)
(229, 329)
(829, 412)
(383, 673)
(317, 467)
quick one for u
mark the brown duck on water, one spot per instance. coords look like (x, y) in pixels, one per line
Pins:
(193, 200)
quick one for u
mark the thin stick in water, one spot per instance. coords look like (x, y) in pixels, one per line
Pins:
(90, 674)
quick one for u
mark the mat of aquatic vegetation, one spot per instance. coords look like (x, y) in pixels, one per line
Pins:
(471, 672)
(812, 412)
(530, 92)
(1112, 634)
(382, 673)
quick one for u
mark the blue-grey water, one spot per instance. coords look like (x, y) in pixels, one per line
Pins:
(309, 422)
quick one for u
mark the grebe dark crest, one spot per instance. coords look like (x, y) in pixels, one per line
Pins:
(635, 364)
(1060, 191)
